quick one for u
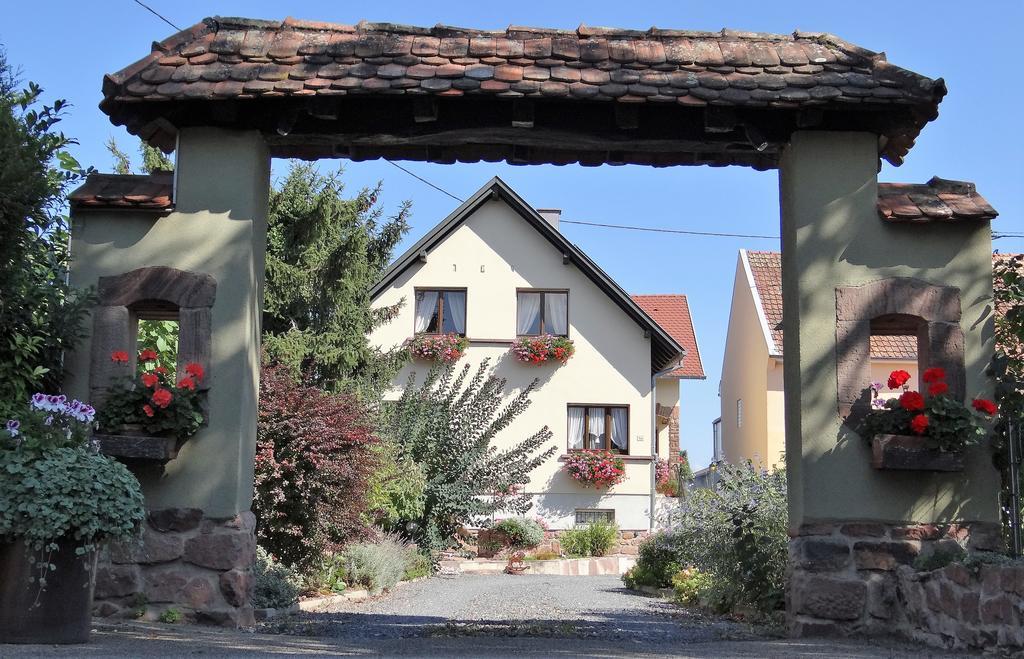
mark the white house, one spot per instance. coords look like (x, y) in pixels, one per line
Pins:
(496, 269)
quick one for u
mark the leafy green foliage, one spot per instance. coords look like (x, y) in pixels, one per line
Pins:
(324, 253)
(171, 616)
(520, 532)
(326, 576)
(419, 566)
(594, 539)
(691, 586)
(162, 337)
(395, 495)
(40, 315)
(153, 159)
(378, 566)
(275, 586)
(940, 557)
(734, 534)
(313, 462)
(1007, 368)
(447, 425)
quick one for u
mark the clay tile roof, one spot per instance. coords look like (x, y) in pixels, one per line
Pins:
(150, 192)
(672, 313)
(186, 77)
(938, 200)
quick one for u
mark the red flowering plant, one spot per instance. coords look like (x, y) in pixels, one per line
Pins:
(597, 469)
(444, 348)
(541, 349)
(947, 423)
(151, 398)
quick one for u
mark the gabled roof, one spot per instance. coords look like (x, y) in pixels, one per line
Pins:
(672, 312)
(283, 72)
(665, 350)
(152, 192)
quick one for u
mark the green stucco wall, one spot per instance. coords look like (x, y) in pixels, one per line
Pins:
(218, 227)
(832, 236)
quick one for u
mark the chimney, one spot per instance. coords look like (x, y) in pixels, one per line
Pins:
(552, 215)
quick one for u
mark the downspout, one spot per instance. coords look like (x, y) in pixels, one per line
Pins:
(654, 436)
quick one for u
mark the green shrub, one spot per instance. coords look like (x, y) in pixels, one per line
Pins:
(395, 493)
(940, 557)
(595, 539)
(691, 586)
(521, 532)
(378, 566)
(276, 586)
(326, 577)
(546, 555)
(733, 534)
(420, 565)
(171, 616)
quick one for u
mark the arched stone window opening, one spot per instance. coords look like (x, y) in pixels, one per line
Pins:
(895, 307)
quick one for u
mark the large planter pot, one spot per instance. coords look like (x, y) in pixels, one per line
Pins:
(131, 442)
(59, 614)
(912, 453)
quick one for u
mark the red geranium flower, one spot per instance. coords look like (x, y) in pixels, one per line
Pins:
(934, 374)
(119, 357)
(938, 388)
(147, 355)
(150, 379)
(187, 383)
(912, 401)
(148, 410)
(898, 378)
(918, 424)
(983, 405)
(161, 370)
(162, 398)
(195, 370)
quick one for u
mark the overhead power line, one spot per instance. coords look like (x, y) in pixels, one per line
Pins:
(157, 14)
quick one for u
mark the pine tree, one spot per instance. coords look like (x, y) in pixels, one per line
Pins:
(324, 253)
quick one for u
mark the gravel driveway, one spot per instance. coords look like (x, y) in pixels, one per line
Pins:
(476, 616)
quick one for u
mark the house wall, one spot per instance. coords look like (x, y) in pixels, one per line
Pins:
(775, 405)
(493, 253)
(744, 376)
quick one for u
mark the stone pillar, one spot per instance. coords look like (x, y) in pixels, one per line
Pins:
(833, 238)
(218, 228)
(673, 436)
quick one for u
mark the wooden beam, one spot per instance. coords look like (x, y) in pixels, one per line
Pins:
(809, 117)
(522, 113)
(627, 116)
(719, 119)
(424, 109)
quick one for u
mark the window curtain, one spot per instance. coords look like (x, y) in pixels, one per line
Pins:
(620, 440)
(576, 427)
(596, 427)
(528, 315)
(556, 313)
(426, 307)
(455, 311)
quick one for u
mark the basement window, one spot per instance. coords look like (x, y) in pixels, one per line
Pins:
(589, 516)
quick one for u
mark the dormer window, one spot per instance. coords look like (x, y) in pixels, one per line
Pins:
(542, 312)
(441, 311)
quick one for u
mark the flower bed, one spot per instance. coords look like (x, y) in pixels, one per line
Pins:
(939, 423)
(445, 348)
(597, 469)
(538, 350)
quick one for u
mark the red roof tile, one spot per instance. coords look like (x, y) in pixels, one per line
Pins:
(938, 200)
(766, 268)
(247, 59)
(672, 313)
(151, 192)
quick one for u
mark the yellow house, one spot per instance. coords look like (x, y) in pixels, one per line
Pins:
(497, 269)
(751, 425)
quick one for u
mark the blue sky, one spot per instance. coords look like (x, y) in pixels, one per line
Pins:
(976, 137)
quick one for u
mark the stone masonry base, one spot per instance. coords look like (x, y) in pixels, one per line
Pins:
(488, 544)
(198, 566)
(857, 578)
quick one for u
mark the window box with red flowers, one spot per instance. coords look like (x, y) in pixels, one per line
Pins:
(543, 349)
(923, 433)
(596, 469)
(443, 348)
(149, 414)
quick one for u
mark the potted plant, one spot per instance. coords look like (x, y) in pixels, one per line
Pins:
(149, 406)
(445, 348)
(59, 501)
(914, 432)
(597, 469)
(538, 350)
